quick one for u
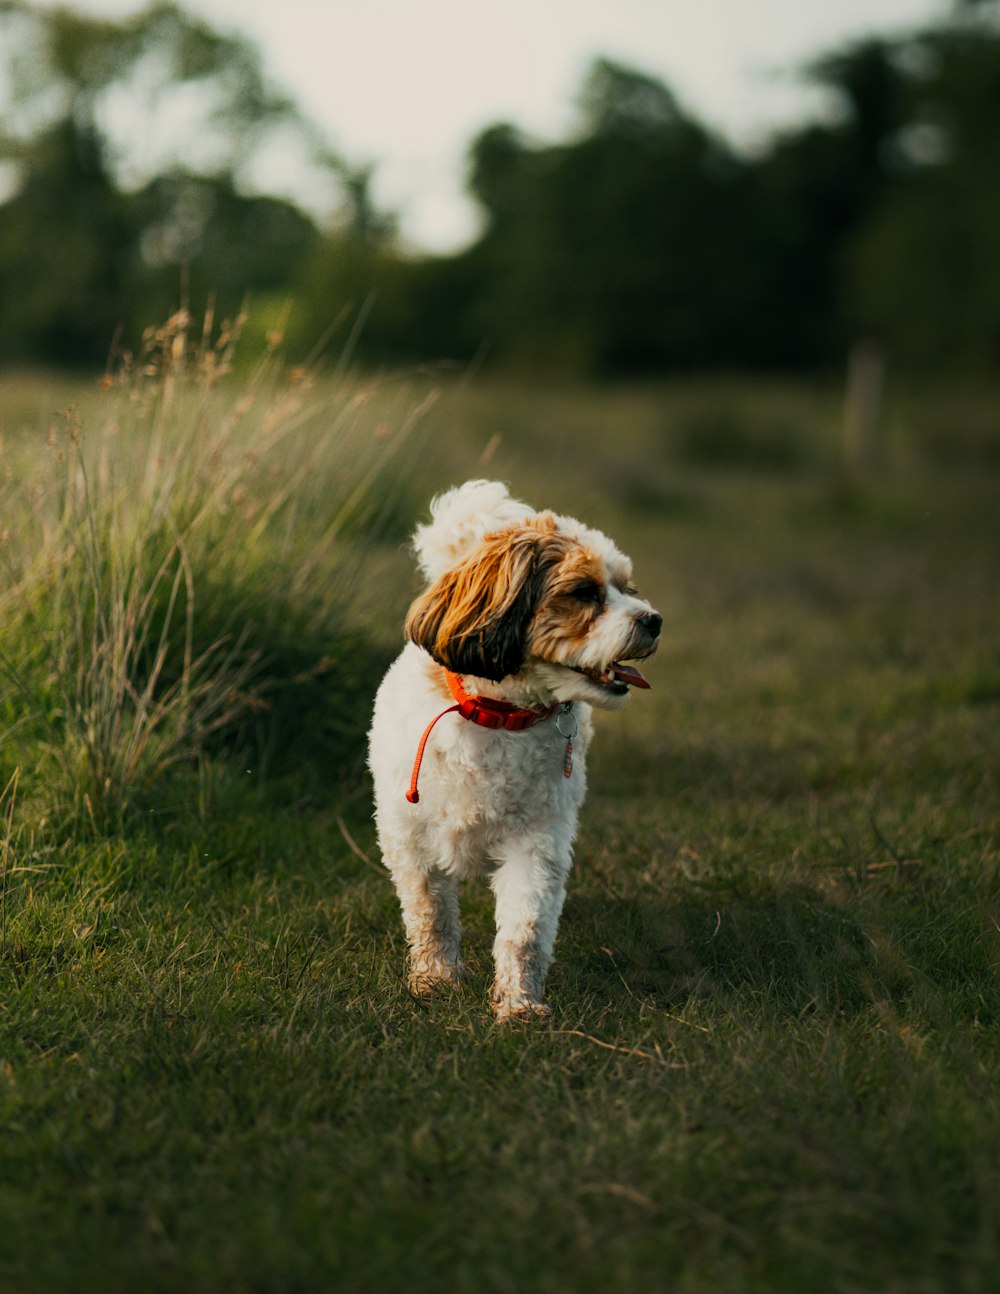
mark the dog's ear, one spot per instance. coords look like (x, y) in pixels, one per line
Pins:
(474, 619)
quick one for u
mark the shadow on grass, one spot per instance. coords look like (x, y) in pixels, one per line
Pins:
(749, 943)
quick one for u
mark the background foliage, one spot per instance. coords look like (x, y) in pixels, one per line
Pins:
(642, 242)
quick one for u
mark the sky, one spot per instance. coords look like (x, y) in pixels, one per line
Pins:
(407, 84)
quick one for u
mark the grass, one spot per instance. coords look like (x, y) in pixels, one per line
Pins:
(774, 1056)
(173, 567)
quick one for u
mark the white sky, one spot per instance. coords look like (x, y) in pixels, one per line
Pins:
(407, 84)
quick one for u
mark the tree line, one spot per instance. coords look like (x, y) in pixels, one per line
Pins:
(643, 243)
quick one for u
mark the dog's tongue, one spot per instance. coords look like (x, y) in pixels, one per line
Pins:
(627, 674)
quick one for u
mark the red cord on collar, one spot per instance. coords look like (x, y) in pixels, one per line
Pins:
(482, 710)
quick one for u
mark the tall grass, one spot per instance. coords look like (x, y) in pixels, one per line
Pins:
(8, 802)
(163, 538)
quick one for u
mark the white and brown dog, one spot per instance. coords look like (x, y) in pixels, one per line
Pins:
(525, 625)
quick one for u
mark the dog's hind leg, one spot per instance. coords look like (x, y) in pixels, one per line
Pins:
(530, 888)
(430, 914)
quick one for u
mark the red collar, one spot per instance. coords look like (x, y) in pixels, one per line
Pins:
(489, 713)
(482, 710)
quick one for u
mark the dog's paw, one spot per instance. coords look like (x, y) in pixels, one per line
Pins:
(423, 981)
(510, 1011)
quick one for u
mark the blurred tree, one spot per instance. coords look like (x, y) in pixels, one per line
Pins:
(227, 242)
(818, 186)
(354, 290)
(645, 243)
(925, 269)
(62, 239)
(619, 249)
(88, 242)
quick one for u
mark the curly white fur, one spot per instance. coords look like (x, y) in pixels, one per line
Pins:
(460, 519)
(492, 801)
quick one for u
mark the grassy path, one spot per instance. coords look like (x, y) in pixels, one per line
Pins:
(774, 1058)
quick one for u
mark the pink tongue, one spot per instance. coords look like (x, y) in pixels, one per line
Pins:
(626, 674)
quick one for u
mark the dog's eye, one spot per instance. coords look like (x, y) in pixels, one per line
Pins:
(630, 591)
(589, 592)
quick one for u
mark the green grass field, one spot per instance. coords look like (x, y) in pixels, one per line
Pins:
(773, 1063)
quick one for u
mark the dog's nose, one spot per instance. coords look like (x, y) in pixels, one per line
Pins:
(651, 623)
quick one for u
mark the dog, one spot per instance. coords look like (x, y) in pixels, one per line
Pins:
(481, 726)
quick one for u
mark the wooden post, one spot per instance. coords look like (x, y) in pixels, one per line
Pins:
(863, 407)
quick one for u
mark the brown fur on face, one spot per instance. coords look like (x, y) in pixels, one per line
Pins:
(475, 618)
(564, 618)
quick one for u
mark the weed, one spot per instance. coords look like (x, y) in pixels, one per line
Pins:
(167, 556)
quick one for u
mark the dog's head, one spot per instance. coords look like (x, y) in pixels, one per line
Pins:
(546, 600)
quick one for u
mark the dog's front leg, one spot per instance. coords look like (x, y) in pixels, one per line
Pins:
(429, 901)
(530, 887)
